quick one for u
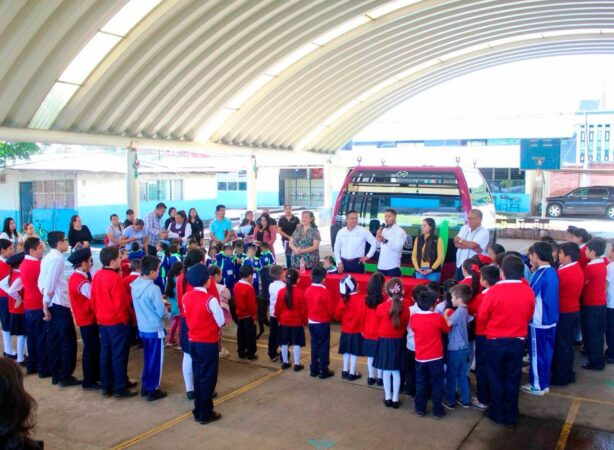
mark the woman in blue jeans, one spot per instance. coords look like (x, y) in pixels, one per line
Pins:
(428, 254)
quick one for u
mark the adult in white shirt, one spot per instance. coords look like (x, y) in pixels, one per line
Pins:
(391, 240)
(61, 334)
(350, 245)
(472, 239)
(274, 288)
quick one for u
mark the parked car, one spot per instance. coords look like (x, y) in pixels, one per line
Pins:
(584, 200)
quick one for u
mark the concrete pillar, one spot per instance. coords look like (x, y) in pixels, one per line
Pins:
(132, 180)
(252, 191)
(328, 183)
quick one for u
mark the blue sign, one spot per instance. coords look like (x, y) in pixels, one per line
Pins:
(544, 154)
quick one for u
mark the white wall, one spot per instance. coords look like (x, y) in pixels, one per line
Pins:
(9, 191)
(94, 189)
(198, 186)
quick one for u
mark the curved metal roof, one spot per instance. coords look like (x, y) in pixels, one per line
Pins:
(292, 74)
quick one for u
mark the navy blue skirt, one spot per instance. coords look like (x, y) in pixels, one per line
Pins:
(389, 354)
(350, 343)
(292, 335)
(369, 347)
(184, 342)
(5, 318)
(18, 324)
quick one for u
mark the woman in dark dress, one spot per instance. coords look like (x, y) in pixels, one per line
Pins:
(79, 235)
(196, 223)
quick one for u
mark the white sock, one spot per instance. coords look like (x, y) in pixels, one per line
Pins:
(370, 366)
(380, 373)
(297, 355)
(346, 362)
(353, 362)
(188, 373)
(8, 343)
(284, 354)
(21, 346)
(396, 385)
(26, 347)
(387, 385)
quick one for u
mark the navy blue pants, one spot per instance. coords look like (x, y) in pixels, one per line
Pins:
(153, 360)
(504, 369)
(273, 337)
(246, 337)
(593, 331)
(61, 343)
(481, 370)
(36, 331)
(90, 358)
(408, 374)
(320, 347)
(265, 277)
(541, 350)
(396, 272)
(458, 274)
(609, 333)
(5, 318)
(562, 363)
(114, 351)
(205, 363)
(352, 266)
(429, 375)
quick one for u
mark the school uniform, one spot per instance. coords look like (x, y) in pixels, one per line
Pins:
(274, 288)
(370, 325)
(79, 292)
(389, 352)
(506, 310)
(319, 314)
(36, 327)
(333, 269)
(427, 327)
(184, 341)
(246, 309)
(112, 310)
(481, 366)
(409, 373)
(542, 328)
(609, 332)
(204, 317)
(229, 270)
(5, 316)
(17, 314)
(593, 312)
(255, 264)
(61, 334)
(127, 281)
(350, 315)
(571, 283)
(292, 321)
(267, 259)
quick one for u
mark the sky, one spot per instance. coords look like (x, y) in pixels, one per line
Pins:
(506, 94)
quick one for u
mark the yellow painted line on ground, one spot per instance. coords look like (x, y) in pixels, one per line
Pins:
(582, 399)
(166, 425)
(571, 417)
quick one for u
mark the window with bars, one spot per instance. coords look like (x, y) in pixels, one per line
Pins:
(54, 194)
(504, 180)
(232, 181)
(161, 190)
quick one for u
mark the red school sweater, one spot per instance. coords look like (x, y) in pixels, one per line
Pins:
(385, 325)
(245, 300)
(595, 275)
(109, 300)
(351, 313)
(295, 317)
(427, 327)
(30, 269)
(80, 304)
(319, 306)
(506, 309)
(571, 284)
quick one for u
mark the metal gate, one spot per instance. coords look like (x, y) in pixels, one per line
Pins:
(26, 202)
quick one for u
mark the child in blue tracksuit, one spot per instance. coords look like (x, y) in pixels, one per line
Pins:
(542, 329)
(226, 262)
(254, 262)
(267, 260)
(150, 314)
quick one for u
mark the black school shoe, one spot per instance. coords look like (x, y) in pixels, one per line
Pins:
(345, 375)
(298, 367)
(285, 366)
(71, 381)
(214, 417)
(55, 381)
(371, 381)
(190, 395)
(396, 405)
(327, 374)
(125, 394)
(252, 357)
(355, 376)
(380, 381)
(131, 384)
(107, 392)
(6, 355)
(91, 387)
(589, 366)
(156, 395)
(388, 403)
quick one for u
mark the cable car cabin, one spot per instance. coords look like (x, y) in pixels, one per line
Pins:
(446, 194)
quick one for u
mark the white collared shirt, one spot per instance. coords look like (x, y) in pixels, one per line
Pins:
(215, 308)
(351, 244)
(391, 252)
(610, 290)
(479, 235)
(53, 281)
(13, 289)
(566, 266)
(274, 289)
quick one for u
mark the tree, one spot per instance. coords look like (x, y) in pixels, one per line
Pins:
(12, 151)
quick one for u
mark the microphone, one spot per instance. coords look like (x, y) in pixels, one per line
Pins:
(382, 226)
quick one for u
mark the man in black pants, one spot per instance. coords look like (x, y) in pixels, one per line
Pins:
(286, 226)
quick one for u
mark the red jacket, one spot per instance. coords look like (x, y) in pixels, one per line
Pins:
(21, 310)
(385, 327)
(469, 282)
(370, 323)
(30, 269)
(295, 317)
(81, 307)
(319, 306)
(351, 314)
(109, 300)
(571, 284)
(427, 327)
(245, 300)
(595, 275)
(202, 327)
(5, 269)
(474, 309)
(506, 309)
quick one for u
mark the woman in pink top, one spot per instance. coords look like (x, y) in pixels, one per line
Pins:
(264, 232)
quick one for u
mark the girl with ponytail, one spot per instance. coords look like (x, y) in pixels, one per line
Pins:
(350, 311)
(292, 316)
(374, 297)
(471, 271)
(390, 350)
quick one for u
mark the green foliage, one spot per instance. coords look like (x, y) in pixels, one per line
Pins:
(12, 151)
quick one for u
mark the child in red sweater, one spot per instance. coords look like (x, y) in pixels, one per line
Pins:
(350, 311)
(374, 297)
(319, 313)
(246, 312)
(593, 312)
(291, 311)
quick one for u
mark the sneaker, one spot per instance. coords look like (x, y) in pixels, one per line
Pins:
(529, 389)
(224, 353)
(354, 376)
(449, 406)
(285, 366)
(298, 367)
(327, 374)
(345, 375)
(156, 395)
(371, 381)
(477, 404)
(190, 395)
(214, 417)
(464, 405)
(380, 381)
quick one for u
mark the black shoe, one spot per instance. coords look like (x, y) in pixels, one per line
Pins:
(252, 358)
(6, 355)
(388, 403)
(32, 372)
(327, 374)
(156, 395)
(313, 374)
(242, 356)
(70, 381)
(380, 381)
(438, 416)
(131, 384)
(371, 381)
(345, 375)
(190, 395)
(143, 392)
(212, 418)
(285, 366)
(609, 361)
(23, 363)
(107, 392)
(92, 387)
(125, 394)
(355, 376)
(420, 413)
(43, 375)
(589, 366)
(298, 367)
(55, 381)
(395, 405)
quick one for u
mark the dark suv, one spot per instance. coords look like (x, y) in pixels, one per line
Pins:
(584, 200)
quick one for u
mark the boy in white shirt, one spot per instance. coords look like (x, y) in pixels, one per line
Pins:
(276, 285)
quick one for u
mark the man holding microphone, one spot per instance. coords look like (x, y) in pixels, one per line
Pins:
(350, 245)
(391, 239)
